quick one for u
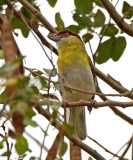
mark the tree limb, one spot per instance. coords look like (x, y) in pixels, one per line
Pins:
(38, 15)
(119, 20)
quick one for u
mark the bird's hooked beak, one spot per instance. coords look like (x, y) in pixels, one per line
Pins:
(55, 37)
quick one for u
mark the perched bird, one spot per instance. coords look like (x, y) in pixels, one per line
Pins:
(75, 70)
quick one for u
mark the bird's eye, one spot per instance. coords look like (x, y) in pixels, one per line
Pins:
(66, 34)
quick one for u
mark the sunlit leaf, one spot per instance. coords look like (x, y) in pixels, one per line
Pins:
(105, 51)
(21, 145)
(59, 21)
(99, 19)
(83, 6)
(109, 30)
(127, 10)
(90, 158)
(86, 37)
(52, 3)
(119, 46)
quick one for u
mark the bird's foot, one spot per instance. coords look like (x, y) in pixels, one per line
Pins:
(94, 103)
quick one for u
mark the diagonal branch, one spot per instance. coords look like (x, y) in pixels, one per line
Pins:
(76, 141)
(28, 23)
(38, 15)
(117, 18)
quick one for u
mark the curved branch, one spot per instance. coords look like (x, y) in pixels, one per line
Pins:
(125, 27)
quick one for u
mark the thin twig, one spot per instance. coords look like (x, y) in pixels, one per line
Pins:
(127, 148)
(35, 140)
(115, 155)
(121, 148)
(44, 140)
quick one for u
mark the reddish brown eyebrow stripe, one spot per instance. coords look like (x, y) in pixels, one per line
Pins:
(70, 33)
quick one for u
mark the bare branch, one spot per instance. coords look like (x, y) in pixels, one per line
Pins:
(117, 18)
(117, 111)
(28, 23)
(38, 15)
(115, 155)
(35, 140)
(112, 83)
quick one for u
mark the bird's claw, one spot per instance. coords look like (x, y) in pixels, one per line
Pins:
(94, 103)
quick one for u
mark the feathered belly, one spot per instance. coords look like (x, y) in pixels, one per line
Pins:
(79, 77)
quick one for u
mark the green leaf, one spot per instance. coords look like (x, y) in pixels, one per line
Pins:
(54, 113)
(109, 30)
(26, 13)
(2, 2)
(21, 145)
(90, 158)
(30, 122)
(43, 82)
(74, 28)
(68, 90)
(50, 72)
(87, 37)
(18, 24)
(99, 19)
(68, 129)
(7, 69)
(3, 140)
(3, 96)
(97, 2)
(29, 113)
(62, 149)
(52, 3)
(84, 6)
(59, 21)
(10, 82)
(105, 51)
(118, 48)
(7, 154)
(127, 10)
(82, 20)
(1, 54)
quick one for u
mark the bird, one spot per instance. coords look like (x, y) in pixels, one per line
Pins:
(74, 67)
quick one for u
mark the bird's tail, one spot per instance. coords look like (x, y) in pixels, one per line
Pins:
(76, 117)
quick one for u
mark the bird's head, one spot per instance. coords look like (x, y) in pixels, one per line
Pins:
(65, 37)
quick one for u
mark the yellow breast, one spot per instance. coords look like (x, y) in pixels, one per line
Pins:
(71, 52)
